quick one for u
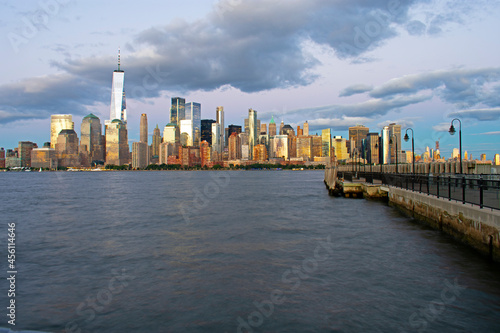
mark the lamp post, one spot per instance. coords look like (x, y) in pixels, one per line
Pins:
(406, 138)
(390, 141)
(452, 132)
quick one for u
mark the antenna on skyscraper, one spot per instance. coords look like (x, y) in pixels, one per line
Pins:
(118, 58)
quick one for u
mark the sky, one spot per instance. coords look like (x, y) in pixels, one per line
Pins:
(334, 63)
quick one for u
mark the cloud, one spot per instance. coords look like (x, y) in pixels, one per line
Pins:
(488, 133)
(249, 45)
(479, 114)
(442, 127)
(337, 124)
(405, 123)
(462, 87)
(355, 89)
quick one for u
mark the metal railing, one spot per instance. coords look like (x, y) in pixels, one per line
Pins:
(481, 190)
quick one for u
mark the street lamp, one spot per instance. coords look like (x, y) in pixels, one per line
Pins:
(406, 138)
(390, 141)
(452, 132)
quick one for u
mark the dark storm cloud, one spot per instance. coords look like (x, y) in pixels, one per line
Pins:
(250, 45)
(464, 88)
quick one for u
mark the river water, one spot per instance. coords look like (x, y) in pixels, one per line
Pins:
(219, 251)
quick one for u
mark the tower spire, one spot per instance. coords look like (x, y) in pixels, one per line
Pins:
(118, 58)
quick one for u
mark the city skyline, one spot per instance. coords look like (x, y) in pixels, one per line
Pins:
(369, 77)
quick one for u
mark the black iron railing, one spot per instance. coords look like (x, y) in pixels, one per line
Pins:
(481, 190)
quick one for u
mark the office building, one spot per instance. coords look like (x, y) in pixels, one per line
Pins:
(155, 145)
(177, 110)
(67, 149)
(2, 158)
(24, 153)
(45, 158)
(252, 131)
(140, 156)
(306, 128)
(272, 127)
(59, 122)
(326, 142)
(220, 120)
(395, 142)
(193, 113)
(260, 153)
(234, 146)
(304, 147)
(144, 129)
(91, 138)
(206, 130)
(340, 146)
(372, 148)
(118, 106)
(357, 134)
(117, 148)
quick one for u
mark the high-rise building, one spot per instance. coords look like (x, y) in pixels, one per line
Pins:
(177, 110)
(234, 129)
(171, 133)
(118, 106)
(326, 142)
(187, 135)
(140, 155)
(287, 130)
(144, 128)
(220, 120)
(205, 153)
(395, 138)
(67, 149)
(263, 129)
(206, 130)
(372, 148)
(272, 127)
(193, 113)
(234, 146)
(496, 159)
(317, 148)
(155, 145)
(45, 157)
(252, 131)
(282, 124)
(91, 138)
(357, 134)
(216, 144)
(300, 131)
(279, 147)
(385, 146)
(24, 153)
(260, 153)
(304, 147)
(340, 146)
(2, 158)
(59, 122)
(306, 128)
(117, 148)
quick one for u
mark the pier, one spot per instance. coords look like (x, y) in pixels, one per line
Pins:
(464, 206)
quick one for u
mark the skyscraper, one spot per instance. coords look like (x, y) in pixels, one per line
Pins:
(372, 146)
(326, 142)
(395, 137)
(177, 110)
(139, 155)
(118, 107)
(385, 147)
(252, 131)
(206, 130)
(155, 145)
(117, 148)
(234, 146)
(67, 149)
(306, 128)
(216, 138)
(272, 127)
(24, 152)
(193, 113)
(220, 120)
(356, 136)
(340, 146)
(144, 128)
(91, 137)
(59, 122)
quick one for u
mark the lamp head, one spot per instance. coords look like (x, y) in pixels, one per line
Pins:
(406, 138)
(452, 130)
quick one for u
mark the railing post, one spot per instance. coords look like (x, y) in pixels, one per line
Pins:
(437, 182)
(463, 189)
(449, 188)
(480, 192)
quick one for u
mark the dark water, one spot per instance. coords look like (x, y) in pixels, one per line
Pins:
(264, 251)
